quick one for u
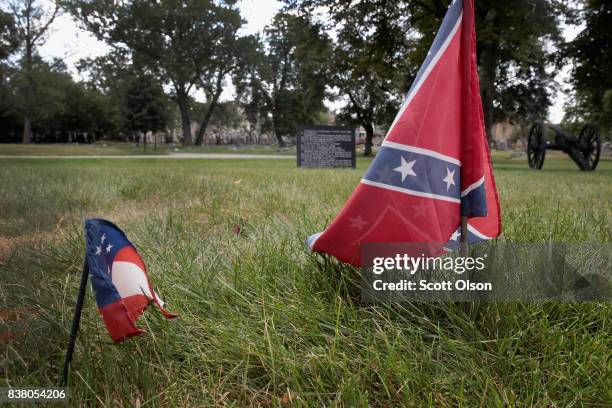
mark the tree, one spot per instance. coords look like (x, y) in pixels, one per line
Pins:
(232, 54)
(385, 40)
(145, 108)
(62, 111)
(174, 39)
(369, 58)
(135, 98)
(591, 55)
(109, 75)
(33, 22)
(286, 79)
(9, 37)
(250, 93)
(227, 116)
(9, 41)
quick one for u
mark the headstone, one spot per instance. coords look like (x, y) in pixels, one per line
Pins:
(325, 146)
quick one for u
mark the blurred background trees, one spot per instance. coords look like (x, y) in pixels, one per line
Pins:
(32, 21)
(186, 44)
(171, 61)
(286, 80)
(591, 55)
(369, 58)
(381, 44)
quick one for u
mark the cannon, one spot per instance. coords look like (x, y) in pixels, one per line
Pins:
(583, 150)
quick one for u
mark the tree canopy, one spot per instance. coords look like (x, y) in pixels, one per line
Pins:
(313, 51)
(591, 54)
(381, 43)
(32, 21)
(287, 77)
(62, 110)
(184, 42)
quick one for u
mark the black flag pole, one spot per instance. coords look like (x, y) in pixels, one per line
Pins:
(463, 240)
(76, 320)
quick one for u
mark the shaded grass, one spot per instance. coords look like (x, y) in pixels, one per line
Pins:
(122, 149)
(264, 322)
(69, 149)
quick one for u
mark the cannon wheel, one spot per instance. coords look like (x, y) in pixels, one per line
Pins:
(536, 147)
(590, 144)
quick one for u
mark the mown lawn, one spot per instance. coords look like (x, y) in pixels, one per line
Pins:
(263, 321)
(127, 149)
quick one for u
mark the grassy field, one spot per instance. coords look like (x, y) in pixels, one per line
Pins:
(263, 321)
(128, 149)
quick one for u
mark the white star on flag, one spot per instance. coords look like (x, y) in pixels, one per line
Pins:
(108, 248)
(405, 168)
(357, 222)
(98, 250)
(103, 238)
(455, 235)
(449, 178)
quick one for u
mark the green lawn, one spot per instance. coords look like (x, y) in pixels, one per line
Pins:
(263, 321)
(123, 149)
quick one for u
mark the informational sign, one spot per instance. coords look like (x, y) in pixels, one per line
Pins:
(325, 146)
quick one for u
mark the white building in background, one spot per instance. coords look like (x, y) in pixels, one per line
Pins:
(360, 135)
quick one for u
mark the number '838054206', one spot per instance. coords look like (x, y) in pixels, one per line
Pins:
(32, 394)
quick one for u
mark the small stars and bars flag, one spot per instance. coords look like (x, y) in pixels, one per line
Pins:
(119, 279)
(434, 165)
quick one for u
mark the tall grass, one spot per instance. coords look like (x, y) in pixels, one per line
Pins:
(263, 321)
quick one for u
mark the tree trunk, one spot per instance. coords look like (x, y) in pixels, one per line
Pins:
(369, 128)
(281, 142)
(27, 130)
(487, 86)
(279, 137)
(205, 121)
(29, 91)
(183, 104)
(211, 108)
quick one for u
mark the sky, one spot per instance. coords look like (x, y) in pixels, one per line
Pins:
(68, 42)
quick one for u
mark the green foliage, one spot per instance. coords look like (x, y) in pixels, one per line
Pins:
(380, 45)
(32, 20)
(9, 39)
(145, 106)
(135, 99)
(283, 78)
(60, 109)
(227, 115)
(231, 56)
(521, 36)
(287, 77)
(185, 43)
(369, 63)
(591, 55)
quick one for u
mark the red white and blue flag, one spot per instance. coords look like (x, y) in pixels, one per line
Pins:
(119, 279)
(433, 166)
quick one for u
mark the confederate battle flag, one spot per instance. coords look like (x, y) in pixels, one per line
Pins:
(434, 165)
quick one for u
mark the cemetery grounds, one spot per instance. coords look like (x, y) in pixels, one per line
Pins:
(265, 322)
